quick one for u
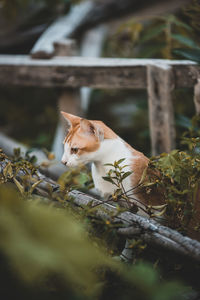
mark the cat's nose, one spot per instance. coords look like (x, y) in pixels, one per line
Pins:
(64, 161)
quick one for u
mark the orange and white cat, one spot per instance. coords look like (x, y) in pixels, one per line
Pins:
(93, 142)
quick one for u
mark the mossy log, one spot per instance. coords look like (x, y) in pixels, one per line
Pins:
(132, 225)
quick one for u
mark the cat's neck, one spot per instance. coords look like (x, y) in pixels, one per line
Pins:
(112, 150)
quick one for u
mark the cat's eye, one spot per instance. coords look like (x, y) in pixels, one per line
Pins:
(74, 150)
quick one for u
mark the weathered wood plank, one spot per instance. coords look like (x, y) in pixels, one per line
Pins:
(65, 47)
(197, 97)
(185, 75)
(71, 72)
(161, 115)
(92, 61)
(93, 72)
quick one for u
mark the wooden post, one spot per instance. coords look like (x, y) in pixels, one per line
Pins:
(161, 115)
(65, 47)
(197, 97)
(54, 42)
(91, 46)
(69, 99)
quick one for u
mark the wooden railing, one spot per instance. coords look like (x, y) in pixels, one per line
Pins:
(159, 77)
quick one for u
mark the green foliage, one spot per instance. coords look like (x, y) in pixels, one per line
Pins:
(192, 11)
(46, 248)
(191, 137)
(39, 241)
(116, 176)
(26, 184)
(179, 179)
(78, 178)
(191, 54)
(155, 38)
(159, 36)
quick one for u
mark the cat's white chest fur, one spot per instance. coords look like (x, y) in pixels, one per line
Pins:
(109, 152)
(102, 186)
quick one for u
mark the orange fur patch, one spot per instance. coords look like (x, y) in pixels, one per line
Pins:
(76, 137)
(85, 143)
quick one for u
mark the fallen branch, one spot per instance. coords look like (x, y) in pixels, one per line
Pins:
(132, 225)
(147, 229)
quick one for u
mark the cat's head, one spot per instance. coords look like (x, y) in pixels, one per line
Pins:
(83, 140)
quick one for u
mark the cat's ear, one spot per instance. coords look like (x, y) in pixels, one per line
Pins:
(91, 129)
(71, 119)
(87, 127)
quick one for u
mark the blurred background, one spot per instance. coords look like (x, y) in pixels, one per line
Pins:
(64, 251)
(135, 29)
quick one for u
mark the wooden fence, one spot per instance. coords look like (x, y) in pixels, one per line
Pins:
(159, 77)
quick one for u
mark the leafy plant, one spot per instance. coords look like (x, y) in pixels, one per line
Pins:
(128, 198)
(39, 241)
(46, 250)
(179, 180)
(76, 178)
(155, 38)
(191, 54)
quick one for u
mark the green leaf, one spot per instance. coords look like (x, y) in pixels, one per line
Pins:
(18, 184)
(144, 174)
(34, 186)
(33, 159)
(120, 161)
(108, 179)
(125, 166)
(192, 54)
(184, 40)
(83, 178)
(175, 190)
(149, 184)
(183, 121)
(181, 24)
(126, 175)
(174, 152)
(8, 171)
(152, 33)
(159, 214)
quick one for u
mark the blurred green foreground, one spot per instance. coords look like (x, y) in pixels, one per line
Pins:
(46, 253)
